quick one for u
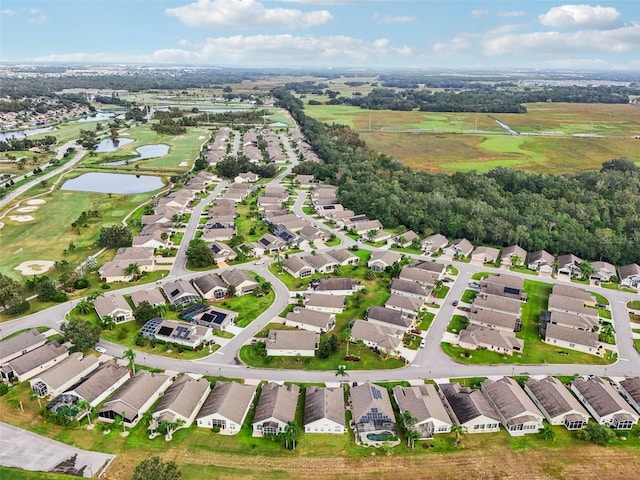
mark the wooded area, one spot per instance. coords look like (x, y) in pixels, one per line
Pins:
(595, 214)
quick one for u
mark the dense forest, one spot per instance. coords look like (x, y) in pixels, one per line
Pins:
(595, 215)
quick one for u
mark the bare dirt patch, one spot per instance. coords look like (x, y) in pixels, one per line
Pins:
(34, 267)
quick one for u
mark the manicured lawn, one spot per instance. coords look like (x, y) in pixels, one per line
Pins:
(412, 342)
(523, 270)
(333, 242)
(457, 323)
(480, 275)
(18, 474)
(599, 298)
(468, 296)
(248, 220)
(634, 305)
(472, 382)
(442, 291)
(249, 307)
(452, 269)
(425, 323)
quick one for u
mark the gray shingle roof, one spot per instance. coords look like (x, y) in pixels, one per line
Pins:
(421, 401)
(134, 393)
(554, 397)
(230, 400)
(466, 403)
(18, 343)
(277, 401)
(67, 369)
(37, 357)
(602, 397)
(321, 402)
(101, 380)
(509, 398)
(182, 397)
(368, 396)
(388, 315)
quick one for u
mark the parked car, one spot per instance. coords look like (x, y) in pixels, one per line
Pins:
(415, 331)
(423, 343)
(455, 303)
(99, 349)
(259, 262)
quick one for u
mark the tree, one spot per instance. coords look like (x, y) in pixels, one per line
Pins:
(108, 322)
(408, 422)
(515, 260)
(84, 306)
(596, 433)
(346, 336)
(84, 408)
(115, 237)
(291, 434)
(341, 372)
(547, 432)
(155, 469)
(83, 334)
(459, 430)
(9, 291)
(16, 402)
(199, 254)
(130, 354)
(586, 269)
(145, 312)
(371, 234)
(35, 396)
(132, 270)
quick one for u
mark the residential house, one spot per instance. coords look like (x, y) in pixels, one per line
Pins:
(33, 362)
(211, 286)
(180, 292)
(603, 271)
(475, 336)
(182, 401)
(324, 410)
(560, 303)
(290, 222)
(297, 268)
(153, 240)
(569, 265)
(425, 406)
(513, 256)
(306, 180)
(508, 286)
(469, 408)
(496, 303)
(630, 390)
(572, 338)
(516, 410)
(240, 280)
(114, 270)
(252, 249)
(152, 296)
(337, 286)
(63, 375)
(629, 275)
(114, 306)
(541, 260)
(222, 253)
(363, 228)
(324, 303)
(604, 403)
(246, 177)
(389, 318)
(134, 397)
(217, 232)
(320, 262)
(180, 333)
(570, 320)
(312, 234)
(292, 343)
(343, 257)
(226, 407)
(20, 344)
(425, 277)
(461, 247)
(101, 383)
(556, 403)
(371, 412)
(404, 304)
(215, 318)
(381, 259)
(434, 243)
(437, 269)
(275, 409)
(405, 239)
(492, 319)
(374, 335)
(311, 320)
(485, 255)
(410, 289)
(573, 292)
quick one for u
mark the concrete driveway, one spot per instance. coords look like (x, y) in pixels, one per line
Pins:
(29, 451)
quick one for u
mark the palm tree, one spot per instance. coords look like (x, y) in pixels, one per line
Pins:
(132, 270)
(147, 417)
(84, 406)
(346, 335)
(408, 421)
(586, 269)
(371, 234)
(459, 430)
(84, 306)
(291, 433)
(108, 322)
(130, 354)
(515, 260)
(412, 436)
(16, 402)
(342, 372)
(547, 432)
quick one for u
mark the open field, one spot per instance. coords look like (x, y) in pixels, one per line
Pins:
(201, 454)
(454, 142)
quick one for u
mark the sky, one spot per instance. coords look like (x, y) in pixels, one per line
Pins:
(478, 34)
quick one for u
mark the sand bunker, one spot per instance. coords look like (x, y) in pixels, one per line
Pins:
(183, 164)
(34, 267)
(21, 218)
(26, 209)
(201, 137)
(36, 201)
(1, 224)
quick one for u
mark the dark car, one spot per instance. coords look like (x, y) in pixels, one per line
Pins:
(455, 303)
(415, 331)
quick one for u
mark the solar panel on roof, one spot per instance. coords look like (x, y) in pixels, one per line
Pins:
(376, 393)
(175, 292)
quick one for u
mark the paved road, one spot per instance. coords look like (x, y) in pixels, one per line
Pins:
(29, 451)
(23, 188)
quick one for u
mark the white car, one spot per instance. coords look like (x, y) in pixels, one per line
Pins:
(100, 349)
(259, 262)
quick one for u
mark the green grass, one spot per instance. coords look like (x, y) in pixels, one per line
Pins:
(412, 342)
(249, 307)
(599, 298)
(523, 270)
(19, 474)
(468, 296)
(452, 269)
(442, 291)
(457, 323)
(634, 305)
(472, 382)
(427, 319)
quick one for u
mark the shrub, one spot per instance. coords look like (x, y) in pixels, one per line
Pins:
(4, 389)
(105, 286)
(215, 429)
(81, 283)
(18, 308)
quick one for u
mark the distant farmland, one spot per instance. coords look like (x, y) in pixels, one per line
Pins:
(562, 137)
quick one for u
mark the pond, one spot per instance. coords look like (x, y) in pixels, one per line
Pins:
(24, 133)
(112, 144)
(113, 183)
(100, 117)
(380, 436)
(145, 152)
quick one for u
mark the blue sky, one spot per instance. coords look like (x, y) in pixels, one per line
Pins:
(325, 33)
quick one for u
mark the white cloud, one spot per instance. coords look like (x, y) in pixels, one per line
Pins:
(7, 11)
(510, 14)
(259, 51)
(245, 14)
(387, 19)
(479, 13)
(456, 45)
(620, 40)
(38, 19)
(586, 16)
(505, 28)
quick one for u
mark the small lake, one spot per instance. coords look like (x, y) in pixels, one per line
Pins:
(100, 117)
(112, 144)
(24, 133)
(113, 183)
(145, 152)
